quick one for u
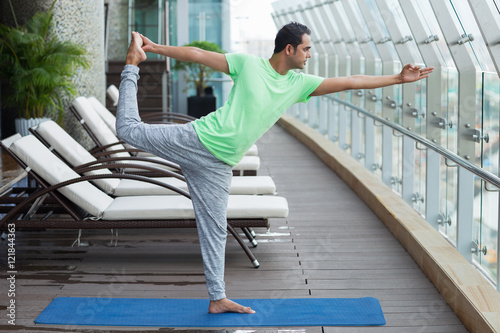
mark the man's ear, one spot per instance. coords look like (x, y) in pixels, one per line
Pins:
(289, 49)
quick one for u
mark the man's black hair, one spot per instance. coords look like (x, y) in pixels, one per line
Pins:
(290, 33)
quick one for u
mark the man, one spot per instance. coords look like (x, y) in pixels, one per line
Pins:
(207, 148)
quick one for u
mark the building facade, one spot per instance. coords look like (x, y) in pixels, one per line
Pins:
(176, 22)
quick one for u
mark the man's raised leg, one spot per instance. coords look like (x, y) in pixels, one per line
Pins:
(128, 123)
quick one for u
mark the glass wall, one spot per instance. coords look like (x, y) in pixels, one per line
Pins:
(205, 24)
(205, 21)
(486, 195)
(205, 17)
(146, 17)
(457, 109)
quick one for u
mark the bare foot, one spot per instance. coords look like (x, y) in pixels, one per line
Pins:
(226, 305)
(135, 53)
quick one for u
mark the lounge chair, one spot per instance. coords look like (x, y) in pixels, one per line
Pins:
(97, 210)
(113, 94)
(69, 150)
(104, 137)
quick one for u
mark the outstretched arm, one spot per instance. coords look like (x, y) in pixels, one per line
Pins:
(409, 73)
(214, 60)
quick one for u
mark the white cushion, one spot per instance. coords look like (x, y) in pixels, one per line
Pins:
(130, 187)
(150, 207)
(7, 142)
(239, 186)
(253, 151)
(252, 185)
(248, 163)
(113, 94)
(74, 153)
(48, 166)
(179, 207)
(97, 125)
(255, 206)
(104, 113)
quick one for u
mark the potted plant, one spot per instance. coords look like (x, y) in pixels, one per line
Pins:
(37, 68)
(196, 76)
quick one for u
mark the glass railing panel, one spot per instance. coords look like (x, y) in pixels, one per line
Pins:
(419, 181)
(449, 172)
(397, 147)
(323, 115)
(304, 112)
(348, 123)
(450, 113)
(359, 18)
(421, 107)
(397, 163)
(477, 103)
(486, 227)
(432, 28)
(333, 121)
(448, 199)
(398, 16)
(378, 92)
(378, 21)
(362, 136)
(486, 196)
(398, 97)
(314, 107)
(478, 49)
(377, 167)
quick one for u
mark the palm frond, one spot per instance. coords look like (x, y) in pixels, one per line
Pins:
(39, 67)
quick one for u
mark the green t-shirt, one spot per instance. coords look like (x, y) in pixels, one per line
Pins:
(257, 100)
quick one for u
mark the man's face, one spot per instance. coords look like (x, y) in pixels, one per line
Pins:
(302, 52)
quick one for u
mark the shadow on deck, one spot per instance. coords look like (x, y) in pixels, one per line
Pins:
(331, 245)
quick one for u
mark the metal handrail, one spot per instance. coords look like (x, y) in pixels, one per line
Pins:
(483, 174)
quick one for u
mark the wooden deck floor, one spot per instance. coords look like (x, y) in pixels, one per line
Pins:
(331, 245)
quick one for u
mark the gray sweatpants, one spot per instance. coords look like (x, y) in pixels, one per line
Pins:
(208, 178)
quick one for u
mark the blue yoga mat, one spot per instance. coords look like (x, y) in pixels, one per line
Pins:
(194, 312)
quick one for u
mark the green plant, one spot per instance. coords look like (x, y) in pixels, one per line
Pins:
(197, 74)
(38, 67)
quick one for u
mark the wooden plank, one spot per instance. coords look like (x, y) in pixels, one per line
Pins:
(399, 329)
(424, 243)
